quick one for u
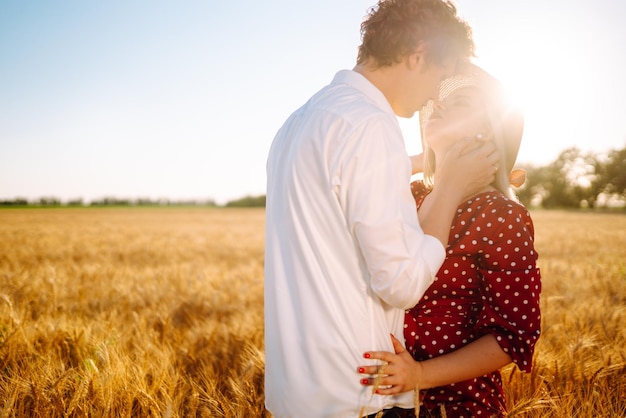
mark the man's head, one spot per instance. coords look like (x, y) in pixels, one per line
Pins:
(417, 42)
(394, 29)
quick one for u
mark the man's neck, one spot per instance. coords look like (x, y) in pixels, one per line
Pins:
(383, 79)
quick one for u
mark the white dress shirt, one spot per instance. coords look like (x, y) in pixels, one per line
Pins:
(344, 252)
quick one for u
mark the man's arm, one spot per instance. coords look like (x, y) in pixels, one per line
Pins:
(372, 184)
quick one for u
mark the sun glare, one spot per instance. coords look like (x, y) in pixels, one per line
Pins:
(541, 84)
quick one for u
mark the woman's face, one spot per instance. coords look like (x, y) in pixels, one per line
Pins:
(460, 115)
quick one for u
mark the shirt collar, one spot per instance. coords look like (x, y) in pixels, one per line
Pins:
(359, 82)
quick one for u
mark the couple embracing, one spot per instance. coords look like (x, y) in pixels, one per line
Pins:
(385, 297)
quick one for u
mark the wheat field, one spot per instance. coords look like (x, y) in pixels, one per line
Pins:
(158, 312)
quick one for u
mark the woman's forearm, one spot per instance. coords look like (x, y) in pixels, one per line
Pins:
(401, 373)
(475, 359)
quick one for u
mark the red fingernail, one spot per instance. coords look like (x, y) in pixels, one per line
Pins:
(361, 370)
(364, 381)
(366, 355)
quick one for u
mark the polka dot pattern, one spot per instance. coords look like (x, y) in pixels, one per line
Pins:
(489, 283)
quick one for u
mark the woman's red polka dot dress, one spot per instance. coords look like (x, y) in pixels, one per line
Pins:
(489, 283)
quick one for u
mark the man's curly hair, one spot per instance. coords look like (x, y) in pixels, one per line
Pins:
(393, 29)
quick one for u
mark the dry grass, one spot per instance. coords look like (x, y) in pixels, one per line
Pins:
(159, 313)
(580, 361)
(131, 313)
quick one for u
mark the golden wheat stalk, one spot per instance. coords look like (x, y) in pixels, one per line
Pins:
(377, 378)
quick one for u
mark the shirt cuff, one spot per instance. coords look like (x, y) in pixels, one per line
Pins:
(434, 253)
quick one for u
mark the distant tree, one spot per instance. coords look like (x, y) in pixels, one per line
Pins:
(576, 179)
(247, 202)
(18, 201)
(566, 179)
(612, 174)
(49, 201)
(565, 183)
(597, 183)
(111, 201)
(75, 202)
(146, 202)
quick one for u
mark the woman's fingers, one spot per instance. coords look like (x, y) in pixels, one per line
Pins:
(390, 376)
(397, 345)
(372, 370)
(379, 355)
(390, 390)
(385, 384)
(378, 372)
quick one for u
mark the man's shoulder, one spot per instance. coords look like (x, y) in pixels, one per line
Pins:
(352, 97)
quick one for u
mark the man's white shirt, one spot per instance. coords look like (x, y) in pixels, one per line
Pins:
(344, 252)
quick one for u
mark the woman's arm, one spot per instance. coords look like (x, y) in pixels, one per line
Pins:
(402, 373)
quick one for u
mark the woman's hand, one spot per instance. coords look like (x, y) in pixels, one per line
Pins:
(399, 372)
(402, 373)
(468, 167)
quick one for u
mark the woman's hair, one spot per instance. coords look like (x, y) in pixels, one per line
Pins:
(393, 30)
(505, 122)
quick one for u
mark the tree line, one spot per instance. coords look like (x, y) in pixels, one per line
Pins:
(247, 201)
(574, 180)
(577, 180)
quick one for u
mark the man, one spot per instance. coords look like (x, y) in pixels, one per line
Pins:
(345, 253)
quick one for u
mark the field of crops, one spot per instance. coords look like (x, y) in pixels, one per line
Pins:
(158, 312)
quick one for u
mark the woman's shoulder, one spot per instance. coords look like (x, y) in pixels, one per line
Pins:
(495, 200)
(496, 206)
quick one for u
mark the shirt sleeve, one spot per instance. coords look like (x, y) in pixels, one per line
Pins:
(380, 211)
(512, 283)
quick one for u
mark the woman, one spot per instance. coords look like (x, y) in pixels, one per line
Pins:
(482, 311)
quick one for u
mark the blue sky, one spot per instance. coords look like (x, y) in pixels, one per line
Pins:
(181, 100)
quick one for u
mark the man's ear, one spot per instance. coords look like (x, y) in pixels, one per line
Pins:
(417, 57)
